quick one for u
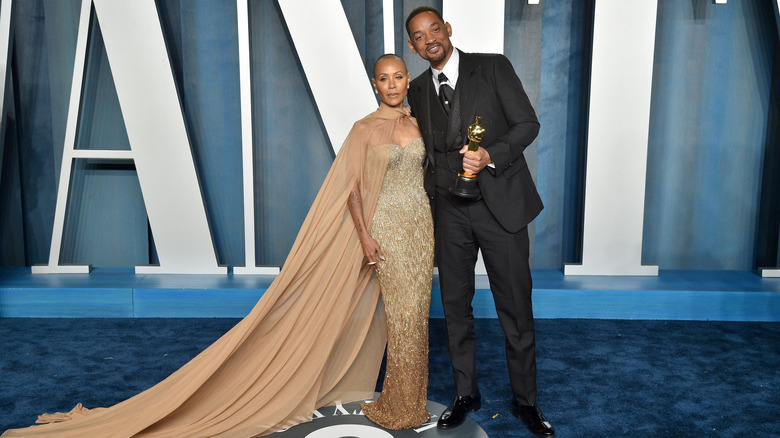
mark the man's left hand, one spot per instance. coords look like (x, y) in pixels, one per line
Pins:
(475, 162)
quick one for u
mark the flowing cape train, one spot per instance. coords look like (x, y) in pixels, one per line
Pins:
(316, 337)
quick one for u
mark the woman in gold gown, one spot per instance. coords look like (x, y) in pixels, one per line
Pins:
(402, 227)
(318, 334)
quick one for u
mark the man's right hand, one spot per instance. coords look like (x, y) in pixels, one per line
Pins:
(474, 162)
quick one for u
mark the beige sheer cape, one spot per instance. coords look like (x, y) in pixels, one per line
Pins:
(316, 336)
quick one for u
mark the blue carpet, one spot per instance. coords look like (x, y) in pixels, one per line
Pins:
(596, 377)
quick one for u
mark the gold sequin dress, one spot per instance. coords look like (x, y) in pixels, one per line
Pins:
(403, 227)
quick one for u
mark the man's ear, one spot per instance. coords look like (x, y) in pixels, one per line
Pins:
(449, 29)
(411, 47)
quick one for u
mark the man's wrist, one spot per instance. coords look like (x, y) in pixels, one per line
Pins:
(489, 159)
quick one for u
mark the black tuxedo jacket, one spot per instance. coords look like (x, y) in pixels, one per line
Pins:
(487, 86)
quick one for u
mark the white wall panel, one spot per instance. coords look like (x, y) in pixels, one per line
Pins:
(5, 52)
(618, 125)
(476, 27)
(332, 63)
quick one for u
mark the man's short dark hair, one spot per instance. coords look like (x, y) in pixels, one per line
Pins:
(418, 11)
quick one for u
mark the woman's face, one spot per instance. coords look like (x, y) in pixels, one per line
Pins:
(391, 81)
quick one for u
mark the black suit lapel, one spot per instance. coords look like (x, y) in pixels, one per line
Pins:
(464, 103)
(472, 71)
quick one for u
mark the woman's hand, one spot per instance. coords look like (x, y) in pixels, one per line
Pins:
(371, 249)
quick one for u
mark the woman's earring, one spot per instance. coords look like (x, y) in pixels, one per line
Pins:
(376, 91)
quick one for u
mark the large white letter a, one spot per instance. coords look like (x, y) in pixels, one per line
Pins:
(158, 139)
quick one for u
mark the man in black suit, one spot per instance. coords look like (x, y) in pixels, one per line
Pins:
(446, 99)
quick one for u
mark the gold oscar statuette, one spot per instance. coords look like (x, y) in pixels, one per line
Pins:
(466, 184)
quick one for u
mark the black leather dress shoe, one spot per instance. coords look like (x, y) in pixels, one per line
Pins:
(456, 413)
(533, 419)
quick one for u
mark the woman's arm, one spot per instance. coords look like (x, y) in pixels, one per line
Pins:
(371, 248)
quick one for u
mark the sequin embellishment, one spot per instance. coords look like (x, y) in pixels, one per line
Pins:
(403, 227)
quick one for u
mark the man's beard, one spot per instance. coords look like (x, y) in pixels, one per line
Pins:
(439, 56)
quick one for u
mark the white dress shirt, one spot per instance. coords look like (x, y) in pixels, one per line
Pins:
(450, 70)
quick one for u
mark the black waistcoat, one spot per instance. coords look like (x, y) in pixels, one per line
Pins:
(448, 161)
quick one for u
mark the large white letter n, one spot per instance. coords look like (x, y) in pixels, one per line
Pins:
(158, 139)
